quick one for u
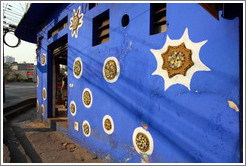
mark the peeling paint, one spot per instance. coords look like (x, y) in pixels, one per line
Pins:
(113, 143)
(128, 159)
(233, 105)
(145, 158)
(145, 126)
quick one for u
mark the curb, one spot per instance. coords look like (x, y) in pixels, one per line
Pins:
(18, 108)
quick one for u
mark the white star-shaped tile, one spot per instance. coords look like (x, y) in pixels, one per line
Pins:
(76, 22)
(180, 79)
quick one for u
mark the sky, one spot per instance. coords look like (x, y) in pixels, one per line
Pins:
(25, 52)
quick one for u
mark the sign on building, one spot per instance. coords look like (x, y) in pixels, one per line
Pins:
(30, 72)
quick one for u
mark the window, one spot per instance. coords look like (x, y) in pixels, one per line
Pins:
(157, 18)
(101, 28)
(92, 5)
(58, 27)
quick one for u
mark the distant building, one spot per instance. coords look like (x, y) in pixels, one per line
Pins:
(9, 59)
(23, 66)
(26, 70)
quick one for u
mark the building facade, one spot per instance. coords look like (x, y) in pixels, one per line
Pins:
(9, 59)
(141, 82)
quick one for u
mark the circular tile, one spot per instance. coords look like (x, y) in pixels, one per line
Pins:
(37, 105)
(87, 98)
(42, 110)
(86, 128)
(111, 69)
(142, 141)
(77, 67)
(73, 108)
(44, 93)
(43, 60)
(108, 124)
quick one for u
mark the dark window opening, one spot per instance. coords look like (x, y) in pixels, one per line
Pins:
(101, 28)
(92, 5)
(125, 20)
(58, 27)
(157, 18)
(213, 8)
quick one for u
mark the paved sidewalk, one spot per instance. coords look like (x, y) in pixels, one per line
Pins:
(31, 141)
(28, 140)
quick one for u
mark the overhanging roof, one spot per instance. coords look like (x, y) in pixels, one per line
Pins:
(34, 19)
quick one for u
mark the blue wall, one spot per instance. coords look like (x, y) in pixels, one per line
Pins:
(194, 125)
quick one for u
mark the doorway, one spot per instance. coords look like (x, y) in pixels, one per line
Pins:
(57, 79)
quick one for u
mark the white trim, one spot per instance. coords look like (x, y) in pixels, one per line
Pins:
(72, 102)
(87, 89)
(79, 59)
(86, 122)
(151, 142)
(112, 124)
(117, 67)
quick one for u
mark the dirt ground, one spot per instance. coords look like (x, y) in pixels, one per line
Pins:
(31, 141)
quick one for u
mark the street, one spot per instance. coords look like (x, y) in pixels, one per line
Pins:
(20, 90)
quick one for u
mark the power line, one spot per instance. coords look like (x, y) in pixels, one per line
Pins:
(10, 14)
(16, 8)
(22, 7)
(10, 20)
(13, 12)
(12, 9)
(13, 19)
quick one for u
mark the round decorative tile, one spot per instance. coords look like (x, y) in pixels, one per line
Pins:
(77, 68)
(73, 108)
(111, 69)
(37, 105)
(43, 60)
(86, 128)
(42, 110)
(142, 141)
(87, 98)
(108, 124)
(177, 60)
(44, 93)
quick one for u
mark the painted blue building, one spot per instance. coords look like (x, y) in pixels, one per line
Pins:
(141, 82)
